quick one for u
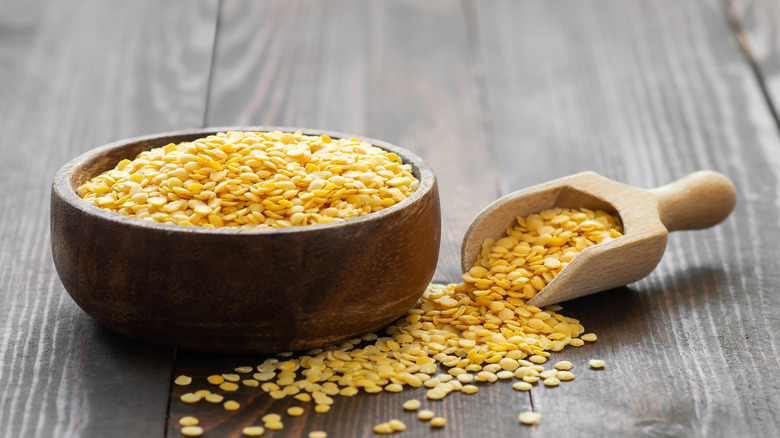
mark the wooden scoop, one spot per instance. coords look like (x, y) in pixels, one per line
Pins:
(699, 200)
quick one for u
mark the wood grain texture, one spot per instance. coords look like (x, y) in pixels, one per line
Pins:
(76, 75)
(644, 92)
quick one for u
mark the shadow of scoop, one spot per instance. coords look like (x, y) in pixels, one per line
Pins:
(650, 306)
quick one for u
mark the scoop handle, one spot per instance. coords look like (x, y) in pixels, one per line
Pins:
(699, 200)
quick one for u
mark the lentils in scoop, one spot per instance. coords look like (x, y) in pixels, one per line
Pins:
(254, 180)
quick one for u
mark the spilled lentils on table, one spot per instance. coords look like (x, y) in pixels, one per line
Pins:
(479, 331)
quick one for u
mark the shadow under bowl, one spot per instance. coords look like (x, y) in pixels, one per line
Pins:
(229, 290)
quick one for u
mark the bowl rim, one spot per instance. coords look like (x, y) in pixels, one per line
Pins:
(62, 183)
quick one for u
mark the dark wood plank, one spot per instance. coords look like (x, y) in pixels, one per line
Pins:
(644, 92)
(77, 74)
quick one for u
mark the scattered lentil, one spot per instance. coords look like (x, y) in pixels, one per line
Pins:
(412, 404)
(565, 375)
(397, 425)
(215, 379)
(522, 386)
(188, 421)
(228, 386)
(383, 428)
(590, 337)
(190, 398)
(596, 363)
(295, 411)
(253, 431)
(529, 417)
(563, 365)
(318, 434)
(231, 405)
(469, 389)
(214, 398)
(183, 380)
(438, 421)
(425, 414)
(192, 431)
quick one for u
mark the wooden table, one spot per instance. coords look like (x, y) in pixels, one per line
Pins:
(496, 96)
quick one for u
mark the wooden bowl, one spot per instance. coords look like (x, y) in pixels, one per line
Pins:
(241, 291)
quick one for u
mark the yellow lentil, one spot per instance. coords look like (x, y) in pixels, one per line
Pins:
(188, 421)
(214, 398)
(318, 434)
(397, 425)
(596, 363)
(243, 370)
(565, 375)
(254, 179)
(465, 378)
(412, 404)
(563, 365)
(274, 425)
(295, 411)
(228, 386)
(438, 421)
(590, 337)
(504, 374)
(551, 381)
(271, 418)
(321, 409)
(253, 431)
(231, 377)
(436, 393)
(231, 405)
(183, 380)
(192, 431)
(190, 398)
(215, 380)
(469, 389)
(522, 386)
(383, 428)
(425, 414)
(529, 417)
